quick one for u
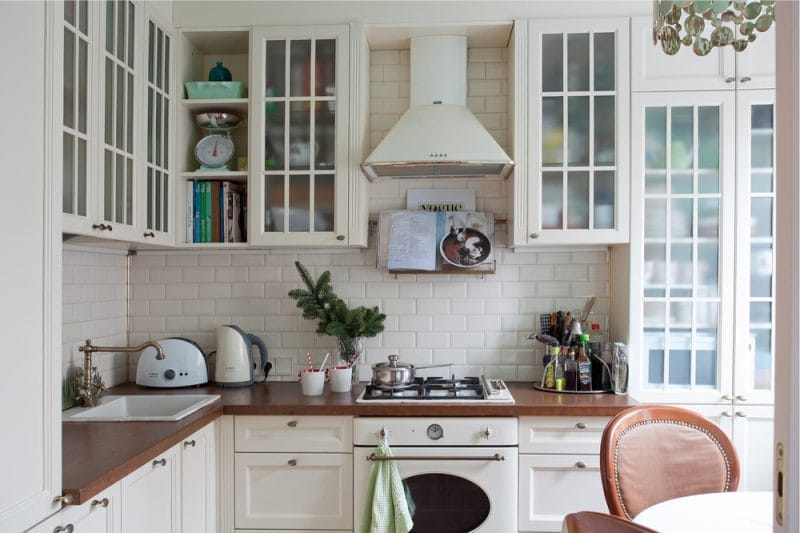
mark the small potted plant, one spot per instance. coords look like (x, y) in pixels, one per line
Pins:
(349, 326)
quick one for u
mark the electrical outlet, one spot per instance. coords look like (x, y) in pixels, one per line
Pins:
(281, 365)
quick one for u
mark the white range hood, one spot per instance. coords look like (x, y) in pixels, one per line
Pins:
(438, 136)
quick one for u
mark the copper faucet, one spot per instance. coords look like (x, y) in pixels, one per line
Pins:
(89, 393)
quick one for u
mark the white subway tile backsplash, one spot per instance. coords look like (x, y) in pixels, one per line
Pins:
(415, 323)
(466, 340)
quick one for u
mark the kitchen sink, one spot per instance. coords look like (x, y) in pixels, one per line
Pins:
(146, 408)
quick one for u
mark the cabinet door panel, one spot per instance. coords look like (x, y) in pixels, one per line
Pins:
(552, 486)
(199, 481)
(753, 436)
(299, 191)
(149, 496)
(653, 70)
(757, 62)
(293, 434)
(293, 491)
(578, 99)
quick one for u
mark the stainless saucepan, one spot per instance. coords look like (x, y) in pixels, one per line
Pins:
(396, 374)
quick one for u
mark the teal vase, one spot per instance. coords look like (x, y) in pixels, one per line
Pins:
(219, 73)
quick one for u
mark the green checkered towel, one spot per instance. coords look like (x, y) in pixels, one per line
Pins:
(386, 508)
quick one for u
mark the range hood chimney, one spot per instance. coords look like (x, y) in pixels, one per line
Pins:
(438, 136)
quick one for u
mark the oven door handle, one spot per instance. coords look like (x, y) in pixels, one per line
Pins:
(495, 457)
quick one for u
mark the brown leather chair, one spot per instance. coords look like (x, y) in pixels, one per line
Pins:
(591, 522)
(653, 453)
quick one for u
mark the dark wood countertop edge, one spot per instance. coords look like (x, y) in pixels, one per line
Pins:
(85, 493)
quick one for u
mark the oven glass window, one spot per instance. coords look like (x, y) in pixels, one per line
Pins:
(446, 504)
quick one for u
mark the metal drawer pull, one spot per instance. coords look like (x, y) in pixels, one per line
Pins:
(745, 79)
(292, 424)
(292, 462)
(741, 414)
(188, 443)
(741, 398)
(580, 425)
(69, 528)
(340, 237)
(726, 414)
(580, 464)
(730, 80)
(162, 462)
(149, 234)
(495, 457)
(101, 503)
(66, 499)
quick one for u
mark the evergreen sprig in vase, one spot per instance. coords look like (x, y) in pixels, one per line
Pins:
(349, 326)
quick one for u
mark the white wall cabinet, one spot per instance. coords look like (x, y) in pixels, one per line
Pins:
(575, 189)
(293, 473)
(722, 69)
(559, 469)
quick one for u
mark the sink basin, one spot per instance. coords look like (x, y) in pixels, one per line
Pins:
(151, 407)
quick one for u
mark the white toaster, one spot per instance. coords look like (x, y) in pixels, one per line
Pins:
(184, 365)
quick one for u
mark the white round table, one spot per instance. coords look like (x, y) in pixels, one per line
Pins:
(729, 512)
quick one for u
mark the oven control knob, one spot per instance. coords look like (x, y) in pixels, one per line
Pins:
(487, 433)
(435, 432)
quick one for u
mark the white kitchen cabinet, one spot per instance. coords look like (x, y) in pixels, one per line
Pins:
(290, 472)
(150, 496)
(299, 190)
(98, 515)
(158, 102)
(750, 428)
(559, 469)
(722, 69)
(30, 452)
(576, 184)
(101, 98)
(199, 481)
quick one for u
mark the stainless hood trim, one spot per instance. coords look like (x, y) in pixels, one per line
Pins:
(369, 169)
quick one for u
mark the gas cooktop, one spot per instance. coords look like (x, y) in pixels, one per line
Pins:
(473, 390)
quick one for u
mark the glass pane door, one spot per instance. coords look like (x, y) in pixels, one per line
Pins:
(681, 246)
(578, 130)
(299, 135)
(118, 98)
(756, 284)
(446, 503)
(159, 99)
(76, 107)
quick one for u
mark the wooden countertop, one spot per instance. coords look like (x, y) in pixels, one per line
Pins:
(98, 454)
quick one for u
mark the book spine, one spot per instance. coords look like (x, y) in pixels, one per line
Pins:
(225, 225)
(221, 215)
(215, 193)
(196, 211)
(202, 203)
(208, 212)
(190, 211)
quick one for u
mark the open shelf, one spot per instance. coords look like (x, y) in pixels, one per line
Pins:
(236, 176)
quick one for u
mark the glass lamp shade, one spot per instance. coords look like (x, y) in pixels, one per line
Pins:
(705, 24)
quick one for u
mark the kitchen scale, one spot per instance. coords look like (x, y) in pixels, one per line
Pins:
(215, 149)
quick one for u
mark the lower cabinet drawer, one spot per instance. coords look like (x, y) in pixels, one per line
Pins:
(293, 491)
(552, 486)
(561, 434)
(325, 434)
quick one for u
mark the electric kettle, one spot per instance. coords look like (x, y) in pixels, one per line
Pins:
(234, 363)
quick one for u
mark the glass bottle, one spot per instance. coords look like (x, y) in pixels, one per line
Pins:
(584, 365)
(571, 371)
(561, 379)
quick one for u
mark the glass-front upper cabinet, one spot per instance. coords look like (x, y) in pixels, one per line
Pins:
(159, 133)
(298, 191)
(100, 59)
(578, 132)
(755, 258)
(682, 246)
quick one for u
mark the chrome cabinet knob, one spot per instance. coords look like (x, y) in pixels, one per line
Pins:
(292, 462)
(160, 462)
(580, 425)
(741, 397)
(188, 443)
(580, 464)
(741, 414)
(727, 397)
(292, 424)
(534, 235)
(340, 237)
(69, 528)
(730, 80)
(101, 503)
(149, 234)
(726, 414)
(745, 79)
(488, 433)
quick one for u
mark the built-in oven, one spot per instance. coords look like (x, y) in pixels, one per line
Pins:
(459, 474)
